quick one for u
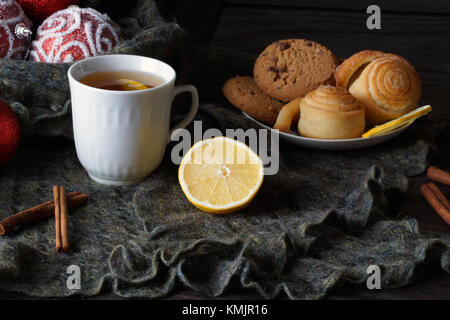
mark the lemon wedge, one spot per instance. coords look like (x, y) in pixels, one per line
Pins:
(397, 123)
(220, 175)
(130, 85)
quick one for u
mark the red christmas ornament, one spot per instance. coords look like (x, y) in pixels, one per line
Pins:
(13, 45)
(9, 133)
(39, 10)
(74, 34)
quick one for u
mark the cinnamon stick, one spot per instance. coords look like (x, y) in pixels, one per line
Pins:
(439, 195)
(38, 213)
(64, 221)
(438, 175)
(434, 201)
(58, 240)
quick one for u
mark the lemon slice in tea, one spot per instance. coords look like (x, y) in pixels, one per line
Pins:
(131, 85)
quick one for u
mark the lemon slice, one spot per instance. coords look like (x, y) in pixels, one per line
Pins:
(129, 85)
(220, 175)
(390, 129)
(397, 123)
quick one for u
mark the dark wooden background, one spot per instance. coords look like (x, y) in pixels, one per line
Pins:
(417, 30)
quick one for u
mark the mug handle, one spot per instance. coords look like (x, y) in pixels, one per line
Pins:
(192, 112)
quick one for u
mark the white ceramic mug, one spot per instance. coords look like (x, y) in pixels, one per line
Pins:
(121, 136)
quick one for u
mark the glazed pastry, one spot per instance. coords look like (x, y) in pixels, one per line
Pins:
(331, 113)
(288, 115)
(387, 85)
(288, 69)
(244, 94)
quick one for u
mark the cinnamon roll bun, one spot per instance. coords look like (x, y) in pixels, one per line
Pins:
(331, 113)
(387, 85)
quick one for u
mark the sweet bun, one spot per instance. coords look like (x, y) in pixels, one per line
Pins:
(288, 115)
(349, 67)
(331, 113)
(387, 85)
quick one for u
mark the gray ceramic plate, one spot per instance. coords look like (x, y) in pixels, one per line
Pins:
(338, 144)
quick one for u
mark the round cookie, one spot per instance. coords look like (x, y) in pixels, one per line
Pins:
(244, 94)
(289, 69)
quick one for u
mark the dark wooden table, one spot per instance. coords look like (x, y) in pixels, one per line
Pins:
(417, 30)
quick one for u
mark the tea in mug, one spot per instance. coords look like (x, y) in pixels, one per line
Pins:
(122, 80)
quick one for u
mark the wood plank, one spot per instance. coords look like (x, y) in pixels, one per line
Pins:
(436, 91)
(435, 6)
(421, 39)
